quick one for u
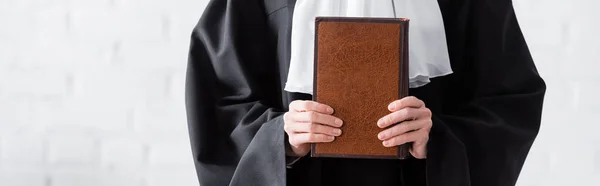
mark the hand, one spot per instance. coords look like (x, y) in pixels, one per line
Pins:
(310, 122)
(414, 124)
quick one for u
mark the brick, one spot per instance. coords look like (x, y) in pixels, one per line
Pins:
(66, 54)
(547, 33)
(553, 124)
(144, 5)
(170, 153)
(38, 4)
(94, 119)
(566, 178)
(161, 118)
(54, 52)
(51, 24)
(40, 38)
(14, 114)
(75, 179)
(168, 177)
(22, 178)
(72, 151)
(94, 178)
(581, 122)
(581, 50)
(182, 22)
(586, 95)
(34, 83)
(110, 25)
(558, 98)
(93, 4)
(8, 55)
(119, 87)
(597, 159)
(176, 88)
(537, 159)
(22, 150)
(19, 28)
(122, 152)
(104, 99)
(578, 153)
(80, 115)
(140, 55)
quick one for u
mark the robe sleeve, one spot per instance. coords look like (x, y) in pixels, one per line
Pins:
(232, 97)
(484, 139)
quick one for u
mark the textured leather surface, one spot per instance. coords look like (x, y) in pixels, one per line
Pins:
(360, 67)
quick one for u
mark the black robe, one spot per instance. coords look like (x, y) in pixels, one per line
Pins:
(486, 114)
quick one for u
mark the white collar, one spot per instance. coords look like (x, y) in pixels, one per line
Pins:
(428, 55)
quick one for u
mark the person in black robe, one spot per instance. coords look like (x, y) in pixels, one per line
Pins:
(484, 117)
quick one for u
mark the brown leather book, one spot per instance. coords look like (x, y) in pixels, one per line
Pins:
(361, 66)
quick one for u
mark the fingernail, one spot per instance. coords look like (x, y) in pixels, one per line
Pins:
(392, 106)
(329, 110)
(330, 138)
(380, 122)
(381, 136)
(385, 143)
(337, 132)
(338, 122)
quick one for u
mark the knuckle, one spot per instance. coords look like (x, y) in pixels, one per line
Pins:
(293, 140)
(428, 112)
(402, 128)
(286, 117)
(422, 136)
(402, 139)
(306, 105)
(425, 138)
(312, 137)
(412, 112)
(394, 141)
(304, 116)
(323, 137)
(313, 127)
(313, 116)
(405, 113)
(315, 106)
(317, 138)
(399, 103)
(318, 107)
(294, 104)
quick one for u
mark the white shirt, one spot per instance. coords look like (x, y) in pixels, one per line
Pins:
(428, 52)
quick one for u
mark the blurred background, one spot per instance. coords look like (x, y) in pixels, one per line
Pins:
(92, 92)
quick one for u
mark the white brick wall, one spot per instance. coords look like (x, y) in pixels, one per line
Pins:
(91, 92)
(563, 39)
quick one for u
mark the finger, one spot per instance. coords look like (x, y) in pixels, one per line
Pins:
(402, 115)
(315, 128)
(404, 138)
(303, 106)
(401, 128)
(315, 117)
(419, 148)
(303, 138)
(409, 101)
